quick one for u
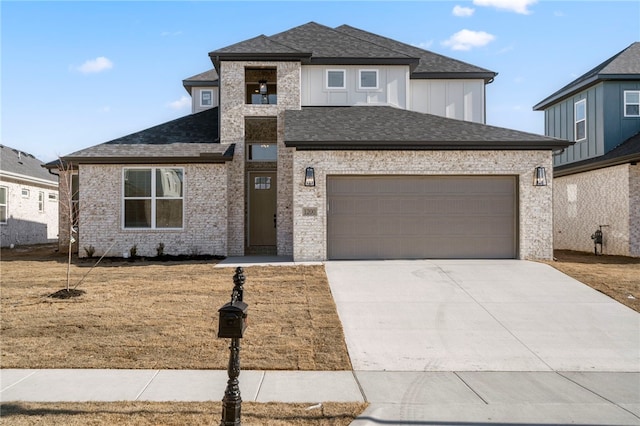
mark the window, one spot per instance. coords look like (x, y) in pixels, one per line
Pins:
(206, 98)
(632, 103)
(262, 152)
(3, 204)
(261, 86)
(262, 182)
(25, 193)
(41, 201)
(336, 79)
(153, 198)
(53, 196)
(368, 79)
(581, 120)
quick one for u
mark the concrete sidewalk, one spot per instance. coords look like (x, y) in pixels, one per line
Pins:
(416, 398)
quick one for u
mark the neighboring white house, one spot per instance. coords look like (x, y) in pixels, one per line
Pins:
(28, 200)
(324, 143)
(597, 180)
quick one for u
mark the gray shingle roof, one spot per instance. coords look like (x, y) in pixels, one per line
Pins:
(384, 127)
(431, 65)
(623, 65)
(207, 78)
(628, 151)
(16, 162)
(191, 138)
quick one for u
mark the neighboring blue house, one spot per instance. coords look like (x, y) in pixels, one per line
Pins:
(597, 180)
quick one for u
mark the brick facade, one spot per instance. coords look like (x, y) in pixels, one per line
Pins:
(205, 213)
(26, 223)
(535, 203)
(233, 111)
(584, 201)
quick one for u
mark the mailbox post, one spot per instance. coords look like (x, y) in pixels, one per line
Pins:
(232, 323)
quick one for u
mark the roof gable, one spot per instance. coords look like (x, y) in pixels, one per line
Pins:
(625, 65)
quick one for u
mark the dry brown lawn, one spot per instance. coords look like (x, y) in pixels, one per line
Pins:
(174, 413)
(163, 315)
(616, 276)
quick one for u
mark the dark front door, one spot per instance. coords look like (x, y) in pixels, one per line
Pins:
(262, 209)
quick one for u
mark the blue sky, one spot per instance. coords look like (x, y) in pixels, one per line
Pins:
(76, 74)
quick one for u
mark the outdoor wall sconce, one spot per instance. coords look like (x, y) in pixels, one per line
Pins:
(540, 177)
(309, 177)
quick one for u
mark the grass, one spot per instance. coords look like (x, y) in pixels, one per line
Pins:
(174, 413)
(164, 315)
(616, 276)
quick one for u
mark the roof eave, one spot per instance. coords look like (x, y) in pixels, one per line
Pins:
(427, 145)
(486, 76)
(217, 57)
(570, 169)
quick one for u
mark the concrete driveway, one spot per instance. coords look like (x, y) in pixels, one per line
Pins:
(479, 315)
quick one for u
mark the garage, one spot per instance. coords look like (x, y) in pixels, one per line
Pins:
(413, 217)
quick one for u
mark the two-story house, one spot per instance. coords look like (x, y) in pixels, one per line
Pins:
(324, 143)
(28, 200)
(597, 180)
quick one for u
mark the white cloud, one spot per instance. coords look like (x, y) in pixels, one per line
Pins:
(467, 39)
(424, 44)
(182, 103)
(517, 6)
(106, 109)
(170, 33)
(463, 11)
(98, 64)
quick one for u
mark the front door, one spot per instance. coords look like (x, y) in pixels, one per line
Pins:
(262, 209)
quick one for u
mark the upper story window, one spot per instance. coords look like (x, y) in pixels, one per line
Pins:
(153, 197)
(580, 113)
(262, 152)
(41, 201)
(368, 79)
(25, 193)
(261, 86)
(206, 98)
(3, 204)
(53, 196)
(632, 103)
(336, 79)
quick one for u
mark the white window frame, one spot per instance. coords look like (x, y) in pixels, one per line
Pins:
(41, 201)
(577, 121)
(344, 79)
(360, 87)
(631, 103)
(202, 92)
(53, 197)
(153, 199)
(25, 193)
(5, 205)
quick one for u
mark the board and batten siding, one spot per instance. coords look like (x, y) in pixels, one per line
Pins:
(560, 123)
(392, 86)
(459, 99)
(619, 128)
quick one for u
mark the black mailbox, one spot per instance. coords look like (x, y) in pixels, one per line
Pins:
(233, 319)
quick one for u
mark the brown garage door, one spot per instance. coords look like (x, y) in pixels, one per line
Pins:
(412, 217)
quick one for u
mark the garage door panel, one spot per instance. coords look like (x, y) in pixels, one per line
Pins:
(387, 217)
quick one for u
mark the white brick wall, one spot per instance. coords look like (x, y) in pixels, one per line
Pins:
(205, 213)
(535, 203)
(584, 201)
(26, 224)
